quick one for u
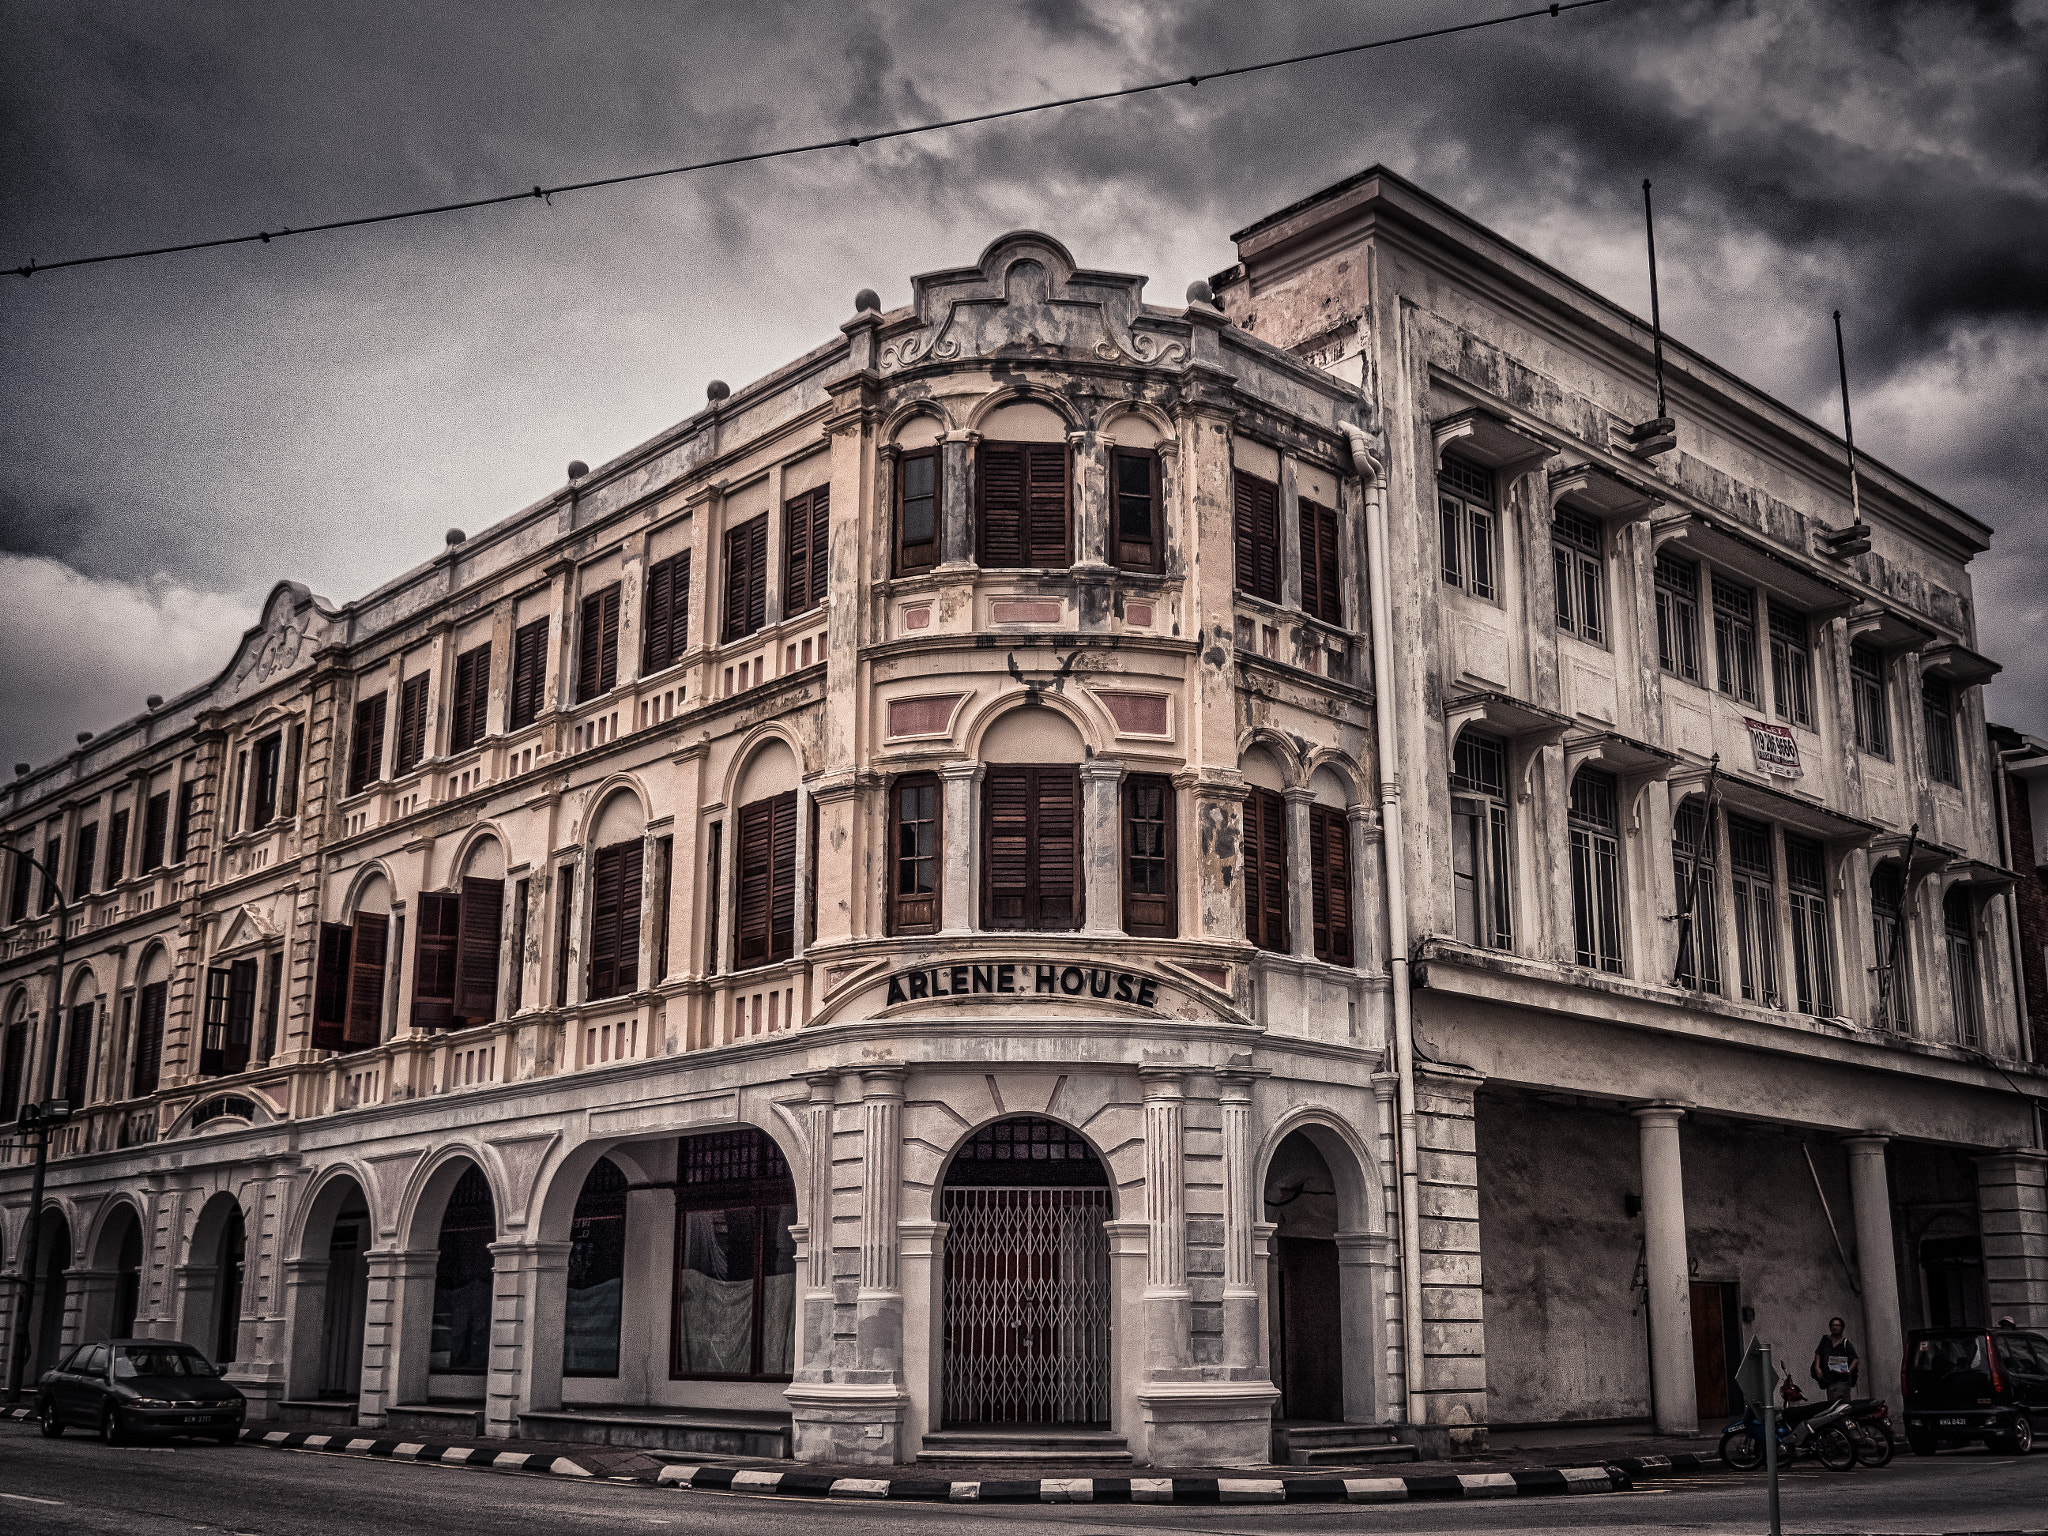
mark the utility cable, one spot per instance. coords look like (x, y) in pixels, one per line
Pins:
(547, 194)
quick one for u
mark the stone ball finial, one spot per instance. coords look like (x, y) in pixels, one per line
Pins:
(867, 299)
(455, 536)
(578, 469)
(154, 701)
(717, 390)
(21, 770)
(1199, 292)
(84, 737)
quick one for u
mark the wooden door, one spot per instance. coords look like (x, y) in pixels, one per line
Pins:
(1311, 1364)
(1713, 1326)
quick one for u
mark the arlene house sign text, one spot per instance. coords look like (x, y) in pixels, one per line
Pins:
(1027, 980)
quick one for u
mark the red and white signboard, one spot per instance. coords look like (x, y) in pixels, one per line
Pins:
(1777, 753)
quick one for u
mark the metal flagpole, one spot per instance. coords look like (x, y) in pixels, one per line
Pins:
(1692, 885)
(1656, 316)
(1848, 431)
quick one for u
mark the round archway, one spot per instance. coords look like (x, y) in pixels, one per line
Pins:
(461, 1344)
(53, 1258)
(1027, 1293)
(1305, 1314)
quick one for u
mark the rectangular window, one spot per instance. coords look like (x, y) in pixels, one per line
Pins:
(529, 673)
(1265, 870)
(149, 1037)
(156, 819)
(1965, 987)
(1140, 541)
(1867, 696)
(1031, 862)
(368, 944)
(1255, 536)
(1678, 617)
(1792, 666)
(1698, 892)
(1735, 639)
(1576, 560)
(13, 1066)
(914, 885)
(735, 1281)
(330, 988)
(666, 619)
(1151, 901)
(615, 890)
(17, 897)
(268, 761)
(1024, 502)
(597, 645)
(1813, 947)
(1938, 724)
(917, 512)
(53, 860)
(470, 713)
(288, 785)
(714, 878)
(273, 986)
(1469, 525)
(230, 1019)
(1887, 917)
(1594, 824)
(412, 724)
(478, 926)
(1481, 871)
(78, 1056)
(522, 897)
(82, 857)
(1329, 866)
(117, 848)
(806, 535)
(181, 831)
(366, 744)
(746, 578)
(235, 823)
(1322, 574)
(765, 922)
(1756, 908)
(433, 959)
(565, 929)
(664, 885)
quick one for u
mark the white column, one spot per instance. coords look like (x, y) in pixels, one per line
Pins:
(1241, 1210)
(1167, 1300)
(529, 1294)
(961, 829)
(1301, 933)
(923, 1246)
(1664, 1267)
(398, 1324)
(1102, 845)
(1871, 1196)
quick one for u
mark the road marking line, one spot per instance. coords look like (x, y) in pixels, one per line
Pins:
(29, 1499)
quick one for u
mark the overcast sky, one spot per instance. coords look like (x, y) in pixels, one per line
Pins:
(179, 433)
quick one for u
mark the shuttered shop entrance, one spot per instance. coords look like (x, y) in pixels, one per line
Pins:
(1027, 1332)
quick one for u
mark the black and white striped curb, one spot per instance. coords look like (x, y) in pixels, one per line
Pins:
(1160, 1490)
(408, 1450)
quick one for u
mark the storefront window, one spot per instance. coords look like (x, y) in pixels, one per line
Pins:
(462, 1282)
(735, 1291)
(597, 1274)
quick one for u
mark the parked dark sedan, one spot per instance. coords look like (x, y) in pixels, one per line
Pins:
(138, 1387)
(1964, 1384)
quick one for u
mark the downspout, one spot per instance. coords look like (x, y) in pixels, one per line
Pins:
(1371, 480)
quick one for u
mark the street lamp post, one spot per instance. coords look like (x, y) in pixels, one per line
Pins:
(41, 1119)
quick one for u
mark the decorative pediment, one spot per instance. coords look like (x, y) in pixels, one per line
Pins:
(1026, 298)
(250, 928)
(295, 625)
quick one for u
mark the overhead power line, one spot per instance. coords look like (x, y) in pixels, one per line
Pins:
(547, 194)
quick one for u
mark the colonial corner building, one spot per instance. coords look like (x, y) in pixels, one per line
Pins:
(1268, 877)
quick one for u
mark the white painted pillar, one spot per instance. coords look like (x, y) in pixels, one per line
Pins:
(1664, 1267)
(923, 1247)
(1301, 932)
(529, 1295)
(1364, 1260)
(1241, 1210)
(305, 1310)
(1130, 1305)
(961, 827)
(398, 1325)
(1102, 845)
(814, 1339)
(1871, 1196)
(1168, 1307)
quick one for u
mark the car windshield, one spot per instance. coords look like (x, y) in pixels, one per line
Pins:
(1943, 1357)
(160, 1360)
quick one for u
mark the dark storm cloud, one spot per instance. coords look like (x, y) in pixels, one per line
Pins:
(180, 433)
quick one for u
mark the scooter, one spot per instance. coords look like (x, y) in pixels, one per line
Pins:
(1820, 1430)
(1869, 1426)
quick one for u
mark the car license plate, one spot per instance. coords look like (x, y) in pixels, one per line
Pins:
(196, 1418)
(1953, 1423)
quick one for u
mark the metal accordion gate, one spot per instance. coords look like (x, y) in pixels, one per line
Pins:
(1027, 1305)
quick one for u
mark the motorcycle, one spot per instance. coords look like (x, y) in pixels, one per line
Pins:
(1869, 1425)
(1820, 1430)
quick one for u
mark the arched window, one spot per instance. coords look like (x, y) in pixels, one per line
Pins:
(597, 1274)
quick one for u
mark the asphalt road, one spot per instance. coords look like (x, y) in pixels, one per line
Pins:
(77, 1487)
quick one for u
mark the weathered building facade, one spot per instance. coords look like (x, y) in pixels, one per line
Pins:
(1040, 865)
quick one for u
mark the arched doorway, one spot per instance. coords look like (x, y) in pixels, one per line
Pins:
(115, 1292)
(1027, 1293)
(227, 1289)
(53, 1258)
(128, 1281)
(1305, 1310)
(461, 1345)
(327, 1292)
(597, 1274)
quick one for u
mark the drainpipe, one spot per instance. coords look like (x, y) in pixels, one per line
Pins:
(1368, 466)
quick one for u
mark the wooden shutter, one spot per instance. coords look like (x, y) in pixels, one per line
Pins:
(1024, 505)
(1001, 513)
(82, 857)
(1255, 529)
(615, 883)
(565, 929)
(1265, 870)
(182, 831)
(433, 960)
(667, 617)
(156, 816)
(597, 645)
(766, 927)
(746, 577)
(330, 988)
(1047, 526)
(412, 723)
(1032, 833)
(13, 1063)
(78, 1056)
(806, 525)
(149, 1037)
(294, 756)
(364, 1023)
(529, 673)
(477, 950)
(472, 703)
(241, 1021)
(366, 745)
(1329, 852)
(1150, 888)
(117, 847)
(1322, 594)
(782, 877)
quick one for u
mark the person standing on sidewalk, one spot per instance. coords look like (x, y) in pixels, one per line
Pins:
(1835, 1362)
